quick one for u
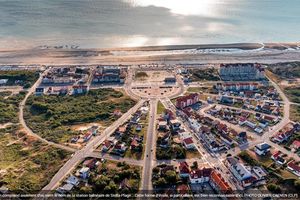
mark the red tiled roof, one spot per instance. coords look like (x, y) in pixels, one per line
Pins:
(188, 141)
(293, 165)
(184, 168)
(296, 143)
(198, 173)
(220, 182)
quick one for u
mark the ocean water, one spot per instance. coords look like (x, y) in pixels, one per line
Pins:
(124, 23)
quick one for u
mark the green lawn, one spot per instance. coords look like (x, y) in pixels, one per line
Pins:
(160, 108)
(52, 116)
(27, 165)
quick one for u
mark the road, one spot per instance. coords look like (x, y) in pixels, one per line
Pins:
(150, 146)
(23, 123)
(88, 149)
(208, 158)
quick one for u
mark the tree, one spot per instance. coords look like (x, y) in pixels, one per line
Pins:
(171, 177)
(297, 184)
(273, 188)
(161, 182)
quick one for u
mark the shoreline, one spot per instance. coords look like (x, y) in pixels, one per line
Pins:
(172, 54)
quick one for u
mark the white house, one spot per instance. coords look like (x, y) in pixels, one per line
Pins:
(262, 149)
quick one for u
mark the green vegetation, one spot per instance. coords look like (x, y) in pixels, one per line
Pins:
(113, 178)
(9, 108)
(287, 70)
(170, 152)
(164, 176)
(6, 93)
(27, 165)
(52, 116)
(160, 108)
(25, 78)
(293, 93)
(244, 155)
(295, 113)
(278, 178)
(208, 74)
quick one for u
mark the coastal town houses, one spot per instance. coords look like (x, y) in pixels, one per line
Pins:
(188, 100)
(241, 72)
(246, 176)
(294, 168)
(109, 74)
(262, 149)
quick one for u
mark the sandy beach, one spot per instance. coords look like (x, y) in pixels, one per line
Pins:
(174, 54)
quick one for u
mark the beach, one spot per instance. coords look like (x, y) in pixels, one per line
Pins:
(174, 54)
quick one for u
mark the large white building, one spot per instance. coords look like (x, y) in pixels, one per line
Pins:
(241, 72)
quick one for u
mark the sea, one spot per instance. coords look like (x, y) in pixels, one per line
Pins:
(128, 23)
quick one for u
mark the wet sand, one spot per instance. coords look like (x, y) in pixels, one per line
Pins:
(250, 52)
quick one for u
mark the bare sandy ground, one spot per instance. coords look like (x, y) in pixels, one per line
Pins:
(184, 54)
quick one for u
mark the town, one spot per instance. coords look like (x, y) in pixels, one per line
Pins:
(164, 129)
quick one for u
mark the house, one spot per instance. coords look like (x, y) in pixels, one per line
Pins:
(282, 136)
(278, 158)
(294, 168)
(87, 136)
(262, 149)
(240, 172)
(188, 100)
(117, 113)
(219, 184)
(226, 139)
(73, 180)
(3, 190)
(184, 169)
(175, 124)
(80, 89)
(199, 176)
(296, 145)
(120, 148)
(241, 136)
(189, 143)
(66, 188)
(138, 127)
(84, 172)
(162, 125)
(121, 130)
(39, 91)
(90, 163)
(134, 145)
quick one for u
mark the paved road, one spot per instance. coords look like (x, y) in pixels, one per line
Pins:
(88, 149)
(211, 159)
(23, 123)
(150, 146)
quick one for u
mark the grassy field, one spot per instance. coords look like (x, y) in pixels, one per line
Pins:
(295, 113)
(160, 108)
(52, 116)
(293, 93)
(9, 108)
(25, 78)
(27, 165)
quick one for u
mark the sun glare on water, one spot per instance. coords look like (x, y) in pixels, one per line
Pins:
(181, 7)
